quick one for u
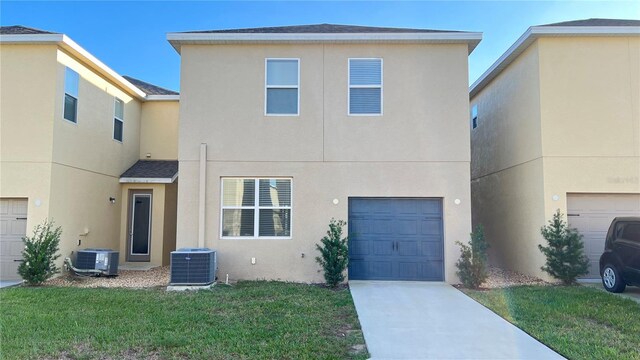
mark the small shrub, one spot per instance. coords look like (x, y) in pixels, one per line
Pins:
(334, 253)
(39, 254)
(565, 251)
(472, 265)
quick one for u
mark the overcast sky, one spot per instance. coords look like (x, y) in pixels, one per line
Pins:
(130, 37)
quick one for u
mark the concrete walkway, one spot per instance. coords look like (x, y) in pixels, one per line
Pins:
(426, 320)
(9, 283)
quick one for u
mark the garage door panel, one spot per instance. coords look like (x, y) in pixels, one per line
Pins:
(13, 226)
(592, 214)
(406, 240)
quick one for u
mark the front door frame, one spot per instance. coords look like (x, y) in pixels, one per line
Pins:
(133, 193)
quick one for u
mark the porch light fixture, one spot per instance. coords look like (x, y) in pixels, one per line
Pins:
(112, 200)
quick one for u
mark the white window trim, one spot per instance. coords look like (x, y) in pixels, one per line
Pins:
(266, 87)
(256, 207)
(115, 117)
(381, 86)
(64, 96)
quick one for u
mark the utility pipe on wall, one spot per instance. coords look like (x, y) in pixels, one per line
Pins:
(202, 194)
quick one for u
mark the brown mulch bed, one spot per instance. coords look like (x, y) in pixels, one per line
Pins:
(155, 277)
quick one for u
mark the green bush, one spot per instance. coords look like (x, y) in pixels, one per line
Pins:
(472, 265)
(334, 253)
(565, 251)
(39, 254)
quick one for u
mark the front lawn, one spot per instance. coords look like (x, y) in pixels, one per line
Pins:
(575, 321)
(250, 320)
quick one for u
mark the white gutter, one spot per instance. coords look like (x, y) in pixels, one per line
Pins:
(536, 32)
(163, 98)
(177, 39)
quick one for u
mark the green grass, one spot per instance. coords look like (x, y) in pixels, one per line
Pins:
(576, 321)
(250, 320)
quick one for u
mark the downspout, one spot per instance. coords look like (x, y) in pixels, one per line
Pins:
(202, 194)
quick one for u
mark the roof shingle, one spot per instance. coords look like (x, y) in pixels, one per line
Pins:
(320, 29)
(150, 89)
(21, 30)
(160, 169)
(597, 22)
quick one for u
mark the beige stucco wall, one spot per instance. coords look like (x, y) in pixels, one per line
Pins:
(70, 170)
(418, 148)
(159, 130)
(26, 126)
(170, 218)
(581, 102)
(506, 165)
(591, 124)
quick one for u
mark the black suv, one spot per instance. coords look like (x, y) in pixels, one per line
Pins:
(620, 263)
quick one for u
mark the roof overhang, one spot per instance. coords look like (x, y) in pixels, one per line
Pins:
(71, 47)
(536, 32)
(470, 38)
(142, 180)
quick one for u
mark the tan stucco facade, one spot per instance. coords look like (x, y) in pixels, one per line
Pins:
(419, 147)
(69, 171)
(159, 130)
(563, 118)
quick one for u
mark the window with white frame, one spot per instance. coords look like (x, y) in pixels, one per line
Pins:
(474, 116)
(282, 87)
(71, 80)
(256, 208)
(118, 120)
(365, 86)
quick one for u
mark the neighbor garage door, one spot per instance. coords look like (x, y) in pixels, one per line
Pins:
(13, 226)
(395, 239)
(591, 214)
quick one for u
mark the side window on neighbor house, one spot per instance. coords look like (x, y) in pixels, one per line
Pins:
(71, 80)
(282, 87)
(118, 119)
(474, 116)
(365, 86)
(256, 208)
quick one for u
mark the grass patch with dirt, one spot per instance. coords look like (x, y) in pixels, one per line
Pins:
(250, 320)
(576, 321)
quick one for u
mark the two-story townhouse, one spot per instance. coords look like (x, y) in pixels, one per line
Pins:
(73, 133)
(556, 125)
(282, 129)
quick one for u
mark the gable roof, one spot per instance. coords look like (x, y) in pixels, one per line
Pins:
(597, 22)
(576, 28)
(322, 33)
(151, 171)
(319, 29)
(19, 29)
(148, 88)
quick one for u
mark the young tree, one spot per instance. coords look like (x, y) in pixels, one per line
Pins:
(472, 265)
(334, 253)
(565, 251)
(39, 254)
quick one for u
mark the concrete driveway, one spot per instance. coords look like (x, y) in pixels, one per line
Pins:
(426, 320)
(631, 292)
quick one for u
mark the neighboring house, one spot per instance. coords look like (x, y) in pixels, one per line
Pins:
(556, 125)
(70, 127)
(282, 129)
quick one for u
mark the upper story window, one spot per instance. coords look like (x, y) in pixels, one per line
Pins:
(474, 116)
(71, 80)
(256, 208)
(365, 86)
(118, 119)
(282, 87)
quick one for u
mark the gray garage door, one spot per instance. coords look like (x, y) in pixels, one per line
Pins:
(591, 214)
(13, 226)
(396, 239)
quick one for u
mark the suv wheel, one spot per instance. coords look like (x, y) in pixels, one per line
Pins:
(612, 280)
